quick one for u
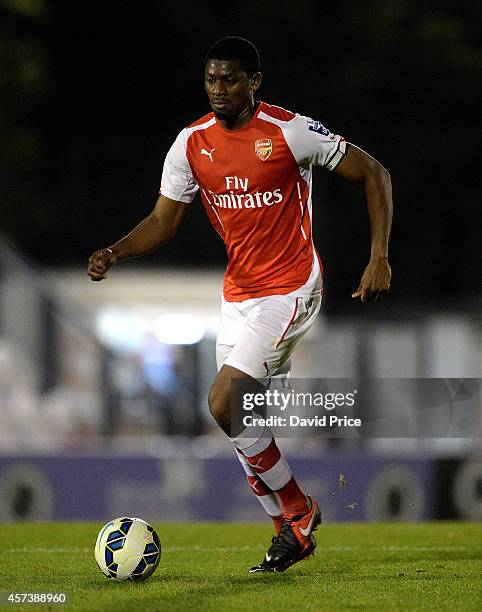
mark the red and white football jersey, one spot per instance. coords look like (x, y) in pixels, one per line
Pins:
(255, 185)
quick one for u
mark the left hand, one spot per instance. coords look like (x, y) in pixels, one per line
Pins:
(375, 282)
(99, 262)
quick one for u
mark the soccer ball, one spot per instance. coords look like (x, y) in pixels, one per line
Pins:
(127, 549)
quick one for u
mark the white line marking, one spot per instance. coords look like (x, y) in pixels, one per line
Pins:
(215, 211)
(299, 191)
(52, 551)
(219, 218)
(301, 206)
(206, 196)
(184, 549)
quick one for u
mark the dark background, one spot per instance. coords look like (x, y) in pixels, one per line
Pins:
(93, 93)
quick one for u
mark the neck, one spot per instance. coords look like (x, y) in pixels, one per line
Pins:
(242, 119)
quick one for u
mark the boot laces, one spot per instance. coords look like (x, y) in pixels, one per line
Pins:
(284, 542)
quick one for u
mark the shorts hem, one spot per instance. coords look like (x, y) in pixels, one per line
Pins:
(243, 368)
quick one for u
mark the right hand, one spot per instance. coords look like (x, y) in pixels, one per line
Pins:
(99, 262)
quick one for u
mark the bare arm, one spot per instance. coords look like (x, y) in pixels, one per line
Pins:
(360, 167)
(158, 228)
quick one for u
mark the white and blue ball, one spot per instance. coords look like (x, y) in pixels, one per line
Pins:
(127, 549)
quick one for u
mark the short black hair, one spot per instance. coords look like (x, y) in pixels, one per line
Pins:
(236, 48)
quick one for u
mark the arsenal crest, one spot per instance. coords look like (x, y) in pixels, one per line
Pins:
(263, 148)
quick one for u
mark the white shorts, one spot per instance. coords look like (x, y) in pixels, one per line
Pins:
(258, 336)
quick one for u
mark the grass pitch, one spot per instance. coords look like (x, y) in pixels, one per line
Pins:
(431, 566)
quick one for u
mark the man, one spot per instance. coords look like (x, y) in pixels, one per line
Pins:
(252, 164)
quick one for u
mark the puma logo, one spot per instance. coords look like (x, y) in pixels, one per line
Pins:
(208, 153)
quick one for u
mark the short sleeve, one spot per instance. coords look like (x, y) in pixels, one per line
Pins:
(312, 143)
(177, 181)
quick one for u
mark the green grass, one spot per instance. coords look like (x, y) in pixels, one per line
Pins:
(431, 566)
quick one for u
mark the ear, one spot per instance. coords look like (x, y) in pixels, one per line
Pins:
(256, 80)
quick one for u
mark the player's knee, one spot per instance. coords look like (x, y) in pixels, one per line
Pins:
(216, 402)
(219, 406)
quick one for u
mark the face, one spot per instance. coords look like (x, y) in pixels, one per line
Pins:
(230, 90)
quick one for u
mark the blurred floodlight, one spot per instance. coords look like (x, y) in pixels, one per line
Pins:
(179, 329)
(121, 329)
(212, 325)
